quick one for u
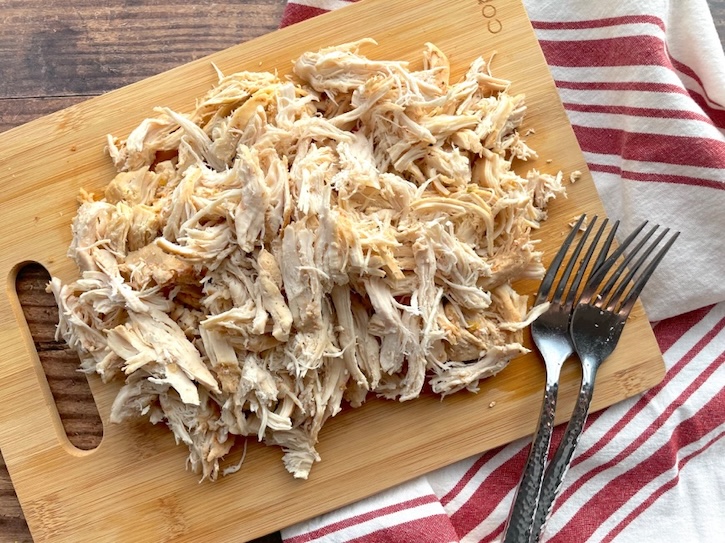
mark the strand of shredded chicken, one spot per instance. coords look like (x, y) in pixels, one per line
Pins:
(295, 244)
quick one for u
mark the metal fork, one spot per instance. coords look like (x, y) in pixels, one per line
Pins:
(550, 332)
(596, 326)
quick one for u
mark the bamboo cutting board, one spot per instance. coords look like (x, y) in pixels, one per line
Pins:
(133, 487)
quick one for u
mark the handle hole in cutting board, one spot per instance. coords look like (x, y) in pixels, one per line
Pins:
(69, 387)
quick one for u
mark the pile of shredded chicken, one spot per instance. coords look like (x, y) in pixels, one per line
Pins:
(292, 244)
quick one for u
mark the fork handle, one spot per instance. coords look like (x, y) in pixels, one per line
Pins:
(518, 525)
(559, 465)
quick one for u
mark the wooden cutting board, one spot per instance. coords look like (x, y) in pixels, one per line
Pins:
(134, 487)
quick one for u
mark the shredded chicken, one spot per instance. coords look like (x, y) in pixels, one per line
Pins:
(295, 244)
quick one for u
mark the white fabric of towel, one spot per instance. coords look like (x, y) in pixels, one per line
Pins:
(643, 84)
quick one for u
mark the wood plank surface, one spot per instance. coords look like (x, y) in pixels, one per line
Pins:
(69, 495)
(62, 52)
(717, 7)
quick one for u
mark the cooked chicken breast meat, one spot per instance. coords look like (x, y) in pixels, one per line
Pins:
(295, 244)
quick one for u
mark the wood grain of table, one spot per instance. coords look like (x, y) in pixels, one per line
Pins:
(56, 53)
(717, 7)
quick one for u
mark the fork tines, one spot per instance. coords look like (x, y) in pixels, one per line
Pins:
(621, 290)
(584, 264)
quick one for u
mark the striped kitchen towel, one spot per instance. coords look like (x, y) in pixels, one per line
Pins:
(643, 84)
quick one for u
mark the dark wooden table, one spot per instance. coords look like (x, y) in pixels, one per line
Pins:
(717, 7)
(56, 53)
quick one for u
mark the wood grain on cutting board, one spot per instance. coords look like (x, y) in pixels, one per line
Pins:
(133, 487)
